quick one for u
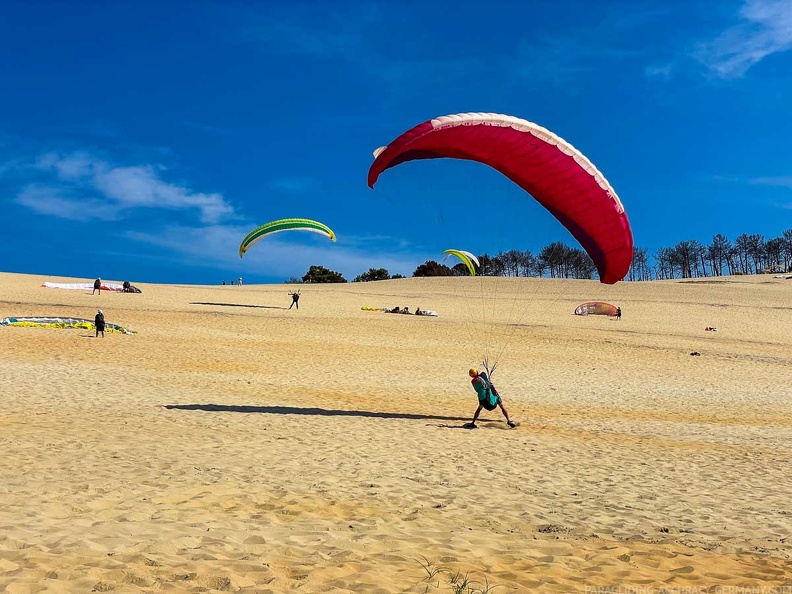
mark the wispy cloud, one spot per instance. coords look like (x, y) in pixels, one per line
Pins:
(51, 201)
(294, 185)
(765, 28)
(352, 35)
(11, 166)
(218, 245)
(611, 39)
(778, 181)
(663, 71)
(781, 181)
(298, 32)
(784, 181)
(563, 58)
(81, 186)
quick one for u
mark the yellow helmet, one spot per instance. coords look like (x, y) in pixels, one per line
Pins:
(473, 372)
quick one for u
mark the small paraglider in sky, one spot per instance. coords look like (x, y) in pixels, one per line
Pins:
(267, 229)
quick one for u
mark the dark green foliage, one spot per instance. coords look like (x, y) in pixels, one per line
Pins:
(373, 274)
(432, 268)
(320, 274)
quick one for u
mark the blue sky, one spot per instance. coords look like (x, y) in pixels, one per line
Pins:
(142, 141)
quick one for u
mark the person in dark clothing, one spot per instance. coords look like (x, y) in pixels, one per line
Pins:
(295, 299)
(99, 322)
(127, 287)
(97, 286)
(618, 313)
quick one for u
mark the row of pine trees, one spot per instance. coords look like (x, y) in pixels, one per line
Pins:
(747, 254)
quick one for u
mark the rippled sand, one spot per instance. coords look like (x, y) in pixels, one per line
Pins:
(233, 445)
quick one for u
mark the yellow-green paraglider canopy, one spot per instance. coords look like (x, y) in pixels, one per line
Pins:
(468, 259)
(284, 225)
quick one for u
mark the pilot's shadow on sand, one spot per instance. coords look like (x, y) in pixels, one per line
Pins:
(237, 305)
(321, 412)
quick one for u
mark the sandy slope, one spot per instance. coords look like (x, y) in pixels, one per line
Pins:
(255, 449)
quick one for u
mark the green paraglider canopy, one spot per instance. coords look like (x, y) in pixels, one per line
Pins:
(284, 225)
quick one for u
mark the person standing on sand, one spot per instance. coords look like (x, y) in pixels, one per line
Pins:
(97, 286)
(99, 322)
(618, 313)
(488, 397)
(239, 282)
(295, 299)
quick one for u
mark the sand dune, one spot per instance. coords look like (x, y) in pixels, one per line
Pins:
(232, 445)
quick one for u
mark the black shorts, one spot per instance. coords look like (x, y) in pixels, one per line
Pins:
(486, 403)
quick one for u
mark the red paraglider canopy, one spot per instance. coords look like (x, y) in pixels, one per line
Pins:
(559, 176)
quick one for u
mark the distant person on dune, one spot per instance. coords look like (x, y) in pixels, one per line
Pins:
(99, 322)
(97, 286)
(239, 282)
(295, 299)
(488, 397)
(618, 313)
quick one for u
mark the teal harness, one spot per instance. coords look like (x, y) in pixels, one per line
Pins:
(487, 399)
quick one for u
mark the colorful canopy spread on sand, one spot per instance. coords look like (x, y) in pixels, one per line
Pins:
(263, 231)
(468, 259)
(430, 313)
(59, 322)
(89, 287)
(550, 169)
(595, 308)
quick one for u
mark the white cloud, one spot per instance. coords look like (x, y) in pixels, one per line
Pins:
(218, 245)
(765, 29)
(68, 167)
(784, 181)
(11, 167)
(50, 201)
(781, 181)
(132, 187)
(79, 182)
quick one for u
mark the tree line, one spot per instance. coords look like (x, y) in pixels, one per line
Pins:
(748, 254)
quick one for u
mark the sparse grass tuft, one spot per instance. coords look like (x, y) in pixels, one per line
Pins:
(456, 581)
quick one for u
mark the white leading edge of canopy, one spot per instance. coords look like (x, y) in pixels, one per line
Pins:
(505, 121)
